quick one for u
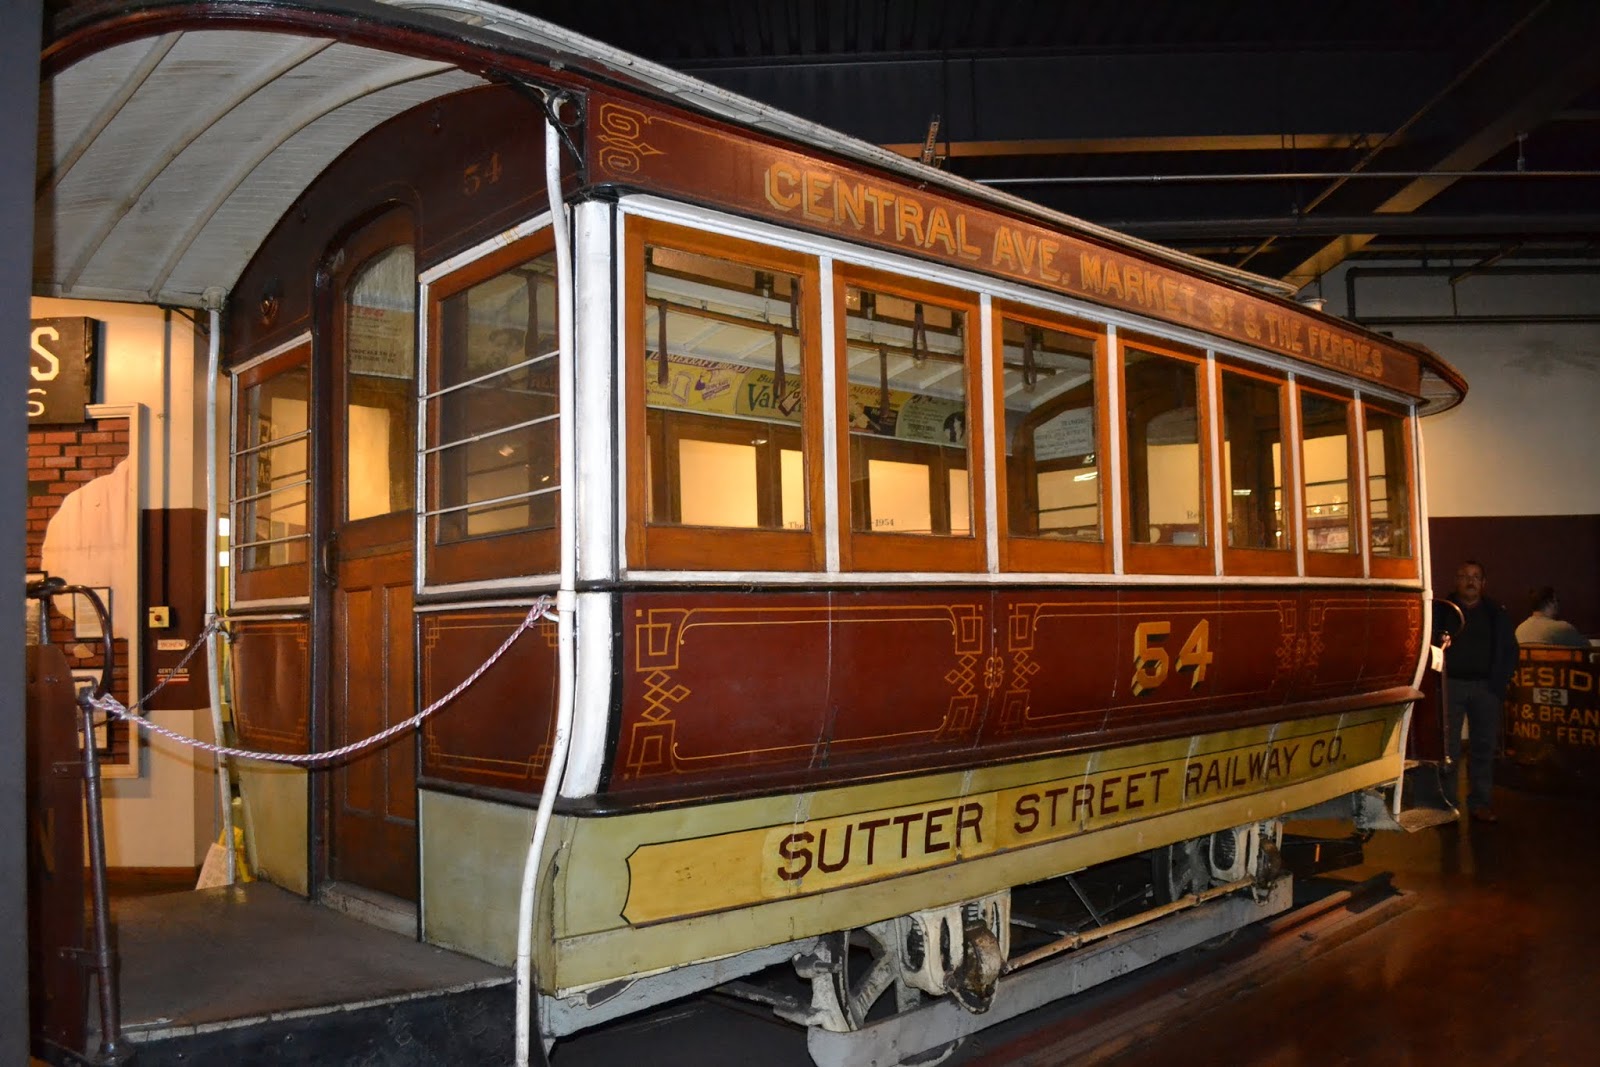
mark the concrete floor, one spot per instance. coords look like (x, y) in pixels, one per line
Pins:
(1495, 964)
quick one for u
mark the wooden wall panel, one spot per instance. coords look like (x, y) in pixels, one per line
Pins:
(271, 685)
(723, 692)
(497, 734)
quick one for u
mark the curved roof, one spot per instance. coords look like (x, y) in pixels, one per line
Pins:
(175, 134)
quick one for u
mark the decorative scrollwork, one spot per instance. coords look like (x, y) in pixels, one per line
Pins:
(622, 137)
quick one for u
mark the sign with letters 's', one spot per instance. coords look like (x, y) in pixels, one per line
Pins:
(61, 360)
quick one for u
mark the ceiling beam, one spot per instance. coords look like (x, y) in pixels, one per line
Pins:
(1339, 226)
(1108, 146)
(1548, 64)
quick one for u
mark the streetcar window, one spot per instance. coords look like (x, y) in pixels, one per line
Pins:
(1252, 462)
(1165, 464)
(907, 408)
(1052, 456)
(1388, 484)
(725, 393)
(271, 526)
(381, 365)
(1325, 448)
(496, 405)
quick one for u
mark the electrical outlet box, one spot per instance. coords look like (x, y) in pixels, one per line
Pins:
(160, 617)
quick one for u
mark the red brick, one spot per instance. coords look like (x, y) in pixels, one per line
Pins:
(99, 437)
(44, 450)
(112, 424)
(98, 463)
(61, 461)
(49, 500)
(38, 513)
(36, 463)
(38, 525)
(61, 437)
(120, 435)
(78, 450)
(81, 476)
(111, 450)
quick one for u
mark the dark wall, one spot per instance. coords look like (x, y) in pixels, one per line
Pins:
(1521, 553)
(19, 87)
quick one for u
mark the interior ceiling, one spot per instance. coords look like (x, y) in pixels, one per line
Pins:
(1284, 138)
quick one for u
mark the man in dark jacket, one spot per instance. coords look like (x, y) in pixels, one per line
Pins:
(1478, 666)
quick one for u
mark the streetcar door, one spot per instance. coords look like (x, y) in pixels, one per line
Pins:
(371, 800)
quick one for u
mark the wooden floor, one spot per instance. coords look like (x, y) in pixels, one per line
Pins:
(1495, 964)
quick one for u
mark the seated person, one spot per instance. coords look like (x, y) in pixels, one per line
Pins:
(1541, 627)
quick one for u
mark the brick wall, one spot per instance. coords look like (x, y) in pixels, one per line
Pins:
(61, 459)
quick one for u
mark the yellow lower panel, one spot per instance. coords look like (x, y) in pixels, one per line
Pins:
(645, 892)
(275, 800)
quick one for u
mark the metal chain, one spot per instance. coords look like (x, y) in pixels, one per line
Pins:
(114, 707)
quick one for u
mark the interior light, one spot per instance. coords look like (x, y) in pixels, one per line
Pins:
(223, 525)
(1241, 492)
(1087, 476)
(759, 441)
(507, 451)
(222, 559)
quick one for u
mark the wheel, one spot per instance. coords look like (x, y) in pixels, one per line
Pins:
(1178, 870)
(866, 968)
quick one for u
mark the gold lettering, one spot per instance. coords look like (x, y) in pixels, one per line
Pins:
(1114, 280)
(939, 230)
(882, 202)
(1090, 268)
(1004, 250)
(908, 219)
(850, 200)
(1027, 246)
(1133, 281)
(1169, 294)
(816, 185)
(1049, 248)
(1188, 292)
(964, 248)
(778, 198)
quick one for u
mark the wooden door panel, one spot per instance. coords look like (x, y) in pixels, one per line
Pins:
(373, 828)
(401, 800)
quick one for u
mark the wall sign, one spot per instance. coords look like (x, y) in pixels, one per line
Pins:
(62, 354)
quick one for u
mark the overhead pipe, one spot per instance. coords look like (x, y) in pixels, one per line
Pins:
(1391, 225)
(1281, 176)
(1456, 274)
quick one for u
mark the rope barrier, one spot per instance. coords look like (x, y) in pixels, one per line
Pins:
(110, 705)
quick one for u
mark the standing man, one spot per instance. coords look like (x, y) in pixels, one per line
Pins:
(1478, 665)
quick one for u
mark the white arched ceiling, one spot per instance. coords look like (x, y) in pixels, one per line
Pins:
(165, 162)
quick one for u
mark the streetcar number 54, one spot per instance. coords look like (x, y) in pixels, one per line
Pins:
(1151, 664)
